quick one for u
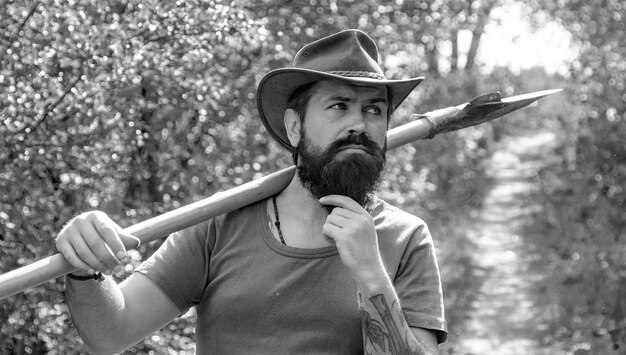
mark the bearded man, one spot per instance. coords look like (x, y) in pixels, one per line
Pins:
(324, 267)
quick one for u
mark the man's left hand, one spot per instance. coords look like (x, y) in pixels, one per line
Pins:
(352, 229)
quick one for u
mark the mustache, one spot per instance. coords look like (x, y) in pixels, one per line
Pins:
(362, 140)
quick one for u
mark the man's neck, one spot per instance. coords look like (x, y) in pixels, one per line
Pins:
(301, 216)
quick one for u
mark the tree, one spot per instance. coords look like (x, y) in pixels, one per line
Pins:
(586, 239)
(110, 105)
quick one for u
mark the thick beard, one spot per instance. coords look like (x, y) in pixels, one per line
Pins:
(356, 175)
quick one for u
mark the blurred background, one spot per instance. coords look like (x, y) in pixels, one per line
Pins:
(138, 107)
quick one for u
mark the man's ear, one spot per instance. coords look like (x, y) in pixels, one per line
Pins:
(292, 125)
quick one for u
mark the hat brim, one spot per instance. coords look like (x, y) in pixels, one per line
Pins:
(277, 86)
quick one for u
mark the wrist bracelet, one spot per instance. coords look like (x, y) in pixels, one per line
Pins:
(97, 276)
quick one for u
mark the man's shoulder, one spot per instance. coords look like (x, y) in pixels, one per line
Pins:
(243, 213)
(225, 225)
(225, 219)
(244, 210)
(385, 211)
(398, 230)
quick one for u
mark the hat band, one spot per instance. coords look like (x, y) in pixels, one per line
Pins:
(361, 74)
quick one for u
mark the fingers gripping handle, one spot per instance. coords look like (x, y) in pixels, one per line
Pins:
(129, 240)
(46, 269)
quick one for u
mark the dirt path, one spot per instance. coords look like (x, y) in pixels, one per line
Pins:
(503, 316)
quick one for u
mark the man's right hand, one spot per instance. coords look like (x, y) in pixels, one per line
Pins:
(93, 242)
(109, 317)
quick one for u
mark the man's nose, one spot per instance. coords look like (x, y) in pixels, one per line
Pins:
(356, 123)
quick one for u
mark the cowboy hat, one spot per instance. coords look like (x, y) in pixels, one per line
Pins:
(350, 56)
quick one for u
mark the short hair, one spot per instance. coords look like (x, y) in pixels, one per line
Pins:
(299, 99)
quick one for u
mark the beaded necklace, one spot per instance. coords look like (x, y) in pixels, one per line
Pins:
(277, 223)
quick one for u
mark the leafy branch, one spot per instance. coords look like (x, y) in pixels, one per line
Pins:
(28, 16)
(50, 108)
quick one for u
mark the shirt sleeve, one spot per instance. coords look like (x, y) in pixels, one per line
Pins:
(418, 284)
(180, 267)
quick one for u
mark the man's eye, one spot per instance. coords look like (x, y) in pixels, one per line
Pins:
(339, 106)
(375, 110)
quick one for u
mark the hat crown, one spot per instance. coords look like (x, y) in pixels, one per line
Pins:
(349, 56)
(347, 53)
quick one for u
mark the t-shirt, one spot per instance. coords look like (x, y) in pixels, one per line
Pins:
(254, 295)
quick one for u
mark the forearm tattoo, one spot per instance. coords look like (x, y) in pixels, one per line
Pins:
(385, 332)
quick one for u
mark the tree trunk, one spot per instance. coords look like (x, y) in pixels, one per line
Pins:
(432, 57)
(151, 147)
(454, 60)
(477, 32)
(144, 182)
